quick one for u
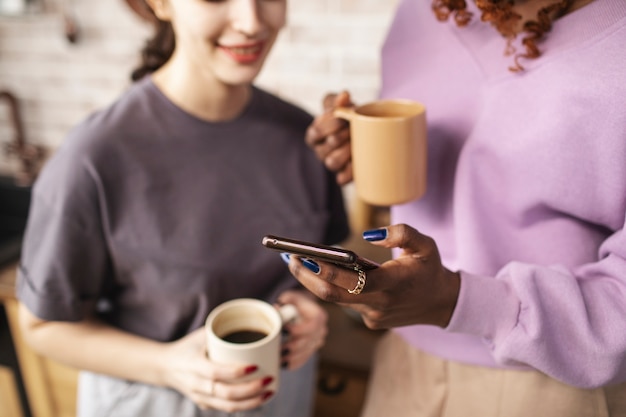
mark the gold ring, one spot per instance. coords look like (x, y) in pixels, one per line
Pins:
(360, 283)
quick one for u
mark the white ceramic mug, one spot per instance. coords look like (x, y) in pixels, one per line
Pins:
(247, 331)
(388, 142)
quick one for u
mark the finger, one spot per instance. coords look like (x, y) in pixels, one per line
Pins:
(328, 102)
(307, 344)
(345, 175)
(330, 143)
(236, 390)
(225, 372)
(299, 350)
(310, 336)
(323, 126)
(338, 159)
(342, 100)
(312, 282)
(331, 283)
(404, 237)
(373, 317)
(336, 138)
(235, 397)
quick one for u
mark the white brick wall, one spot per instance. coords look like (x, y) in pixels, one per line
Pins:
(327, 45)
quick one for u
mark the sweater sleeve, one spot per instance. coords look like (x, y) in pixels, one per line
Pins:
(569, 324)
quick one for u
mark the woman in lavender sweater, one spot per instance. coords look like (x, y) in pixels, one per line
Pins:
(511, 298)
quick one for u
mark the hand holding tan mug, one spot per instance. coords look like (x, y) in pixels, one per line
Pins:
(248, 331)
(389, 149)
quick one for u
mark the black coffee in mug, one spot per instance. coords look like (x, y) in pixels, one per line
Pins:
(244, 336)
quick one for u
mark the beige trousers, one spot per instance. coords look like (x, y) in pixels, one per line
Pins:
(408, 382)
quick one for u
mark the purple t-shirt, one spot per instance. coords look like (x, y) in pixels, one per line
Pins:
(152, 216)
(526, 188)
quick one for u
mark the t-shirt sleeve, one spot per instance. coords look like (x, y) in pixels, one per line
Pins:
(64, 258)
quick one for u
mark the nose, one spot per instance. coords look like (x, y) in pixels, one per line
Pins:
(245, 16)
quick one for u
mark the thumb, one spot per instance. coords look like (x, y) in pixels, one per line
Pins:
(197, 339)
(399, 236)
(334, 100)
(343, 100)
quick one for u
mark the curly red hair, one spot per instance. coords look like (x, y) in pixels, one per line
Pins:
(501, 15)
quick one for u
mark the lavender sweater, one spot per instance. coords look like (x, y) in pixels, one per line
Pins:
(527, 188)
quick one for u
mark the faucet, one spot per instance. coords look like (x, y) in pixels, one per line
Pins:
(31, 156)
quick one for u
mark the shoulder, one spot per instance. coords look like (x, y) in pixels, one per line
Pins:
(94, 139)
(131, 114)
(126, 114)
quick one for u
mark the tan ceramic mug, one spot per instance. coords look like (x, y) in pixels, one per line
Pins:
(247, 331)
(389, 149)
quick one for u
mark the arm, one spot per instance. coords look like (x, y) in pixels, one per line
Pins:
(567, 324)
(95, 346)
(181, 365)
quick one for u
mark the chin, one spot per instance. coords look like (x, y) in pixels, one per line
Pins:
(240, 77)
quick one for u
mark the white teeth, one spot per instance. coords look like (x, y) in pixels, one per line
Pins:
(245, 50)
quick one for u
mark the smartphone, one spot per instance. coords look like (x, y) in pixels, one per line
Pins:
(338, 256)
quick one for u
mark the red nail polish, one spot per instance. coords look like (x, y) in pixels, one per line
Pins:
(250, 369)
(267, 395)
(267, 380)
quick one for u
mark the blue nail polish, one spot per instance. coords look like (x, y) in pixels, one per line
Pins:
(311, 265)
(375, 234)
(285, 257)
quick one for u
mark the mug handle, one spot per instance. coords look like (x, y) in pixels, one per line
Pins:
(346, 113)
(288, 313)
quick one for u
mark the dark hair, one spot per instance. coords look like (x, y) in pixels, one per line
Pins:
(501, 15)
(157, 50)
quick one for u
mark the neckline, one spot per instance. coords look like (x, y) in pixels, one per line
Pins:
(570, 31)
(254, 97)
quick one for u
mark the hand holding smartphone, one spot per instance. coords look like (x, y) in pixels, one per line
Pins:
(338, 256)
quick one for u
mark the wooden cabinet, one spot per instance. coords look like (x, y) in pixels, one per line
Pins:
(50, 386)
(340, 391)
(10, 404)
(345, 362)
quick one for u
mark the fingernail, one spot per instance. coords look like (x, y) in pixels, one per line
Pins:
(311, 265)
(375, 234)
(267, 380)
(250, 369)
(267, 395)
(284, 352)
(285, 257)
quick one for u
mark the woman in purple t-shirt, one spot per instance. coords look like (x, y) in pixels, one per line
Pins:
(152, 213)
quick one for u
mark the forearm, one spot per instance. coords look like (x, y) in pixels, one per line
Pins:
(548, 319)
(95, 346)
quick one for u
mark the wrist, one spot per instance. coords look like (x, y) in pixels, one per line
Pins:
(452, 286)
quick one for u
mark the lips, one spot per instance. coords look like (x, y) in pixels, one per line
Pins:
(244, 53)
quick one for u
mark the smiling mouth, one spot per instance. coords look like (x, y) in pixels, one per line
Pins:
(244, 54)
